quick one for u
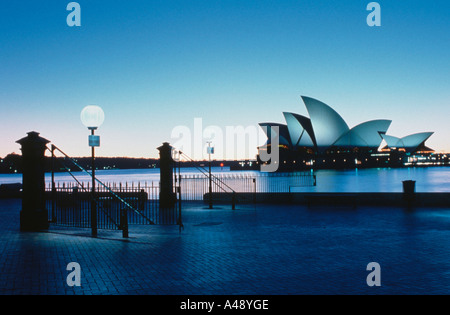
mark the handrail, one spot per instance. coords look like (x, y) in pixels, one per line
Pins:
(214, 179)
(85, 189)
(101, 183)
(206, 173)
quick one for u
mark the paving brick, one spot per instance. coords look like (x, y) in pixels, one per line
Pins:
(254, 250)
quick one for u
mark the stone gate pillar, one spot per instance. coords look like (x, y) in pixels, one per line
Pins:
(33, 216)
(166, 163)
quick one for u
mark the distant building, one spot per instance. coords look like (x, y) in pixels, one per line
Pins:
(412, 143)
(325, 139)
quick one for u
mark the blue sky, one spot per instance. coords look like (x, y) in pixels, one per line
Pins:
(155, 65)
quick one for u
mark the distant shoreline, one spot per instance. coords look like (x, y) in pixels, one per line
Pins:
(104, 164)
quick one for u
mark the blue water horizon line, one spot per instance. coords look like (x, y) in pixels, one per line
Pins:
(428, 179)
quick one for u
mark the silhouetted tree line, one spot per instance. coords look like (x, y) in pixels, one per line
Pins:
(12, 163)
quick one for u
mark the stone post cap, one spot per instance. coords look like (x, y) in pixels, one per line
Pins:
(165, 146)
(32, 138)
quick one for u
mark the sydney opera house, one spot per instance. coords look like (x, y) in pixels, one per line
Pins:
(325, 140)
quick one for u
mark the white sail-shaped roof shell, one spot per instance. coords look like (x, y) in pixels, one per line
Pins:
(295, 129)
(274, 129)
(367, 134)
(300, 130)
(326, 129)
(410, 143)
(391, 141)
(328, 125)
(413, 141)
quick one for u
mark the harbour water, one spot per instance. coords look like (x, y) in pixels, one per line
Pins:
(428, 179)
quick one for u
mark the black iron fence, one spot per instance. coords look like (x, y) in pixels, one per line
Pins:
(70, 204)
(111, 207)
(195, 187)
(205, 184)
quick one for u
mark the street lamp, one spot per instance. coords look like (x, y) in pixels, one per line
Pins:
(210, 151)
(92, 117)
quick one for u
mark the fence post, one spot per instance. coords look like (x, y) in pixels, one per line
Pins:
(124, 222)
(166, 195)
(254, 194)
(233, 200)
(53, 185)
(34, 215)
(180, 220)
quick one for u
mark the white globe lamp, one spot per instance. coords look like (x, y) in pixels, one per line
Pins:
(92, 116)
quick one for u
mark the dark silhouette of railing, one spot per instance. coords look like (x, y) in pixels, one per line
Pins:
(117, 205)
(213, 181)
(196, 187)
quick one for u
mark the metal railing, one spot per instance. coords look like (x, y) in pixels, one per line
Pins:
(214, 183)
(195, 187)
(116, 206)
(71, 205)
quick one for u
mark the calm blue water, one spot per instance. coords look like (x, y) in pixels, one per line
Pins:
(429, 179)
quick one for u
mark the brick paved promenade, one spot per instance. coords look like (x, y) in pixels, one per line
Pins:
(257, 250)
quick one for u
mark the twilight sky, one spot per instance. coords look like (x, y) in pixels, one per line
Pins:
(155, 65)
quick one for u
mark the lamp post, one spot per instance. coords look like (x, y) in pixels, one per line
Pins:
(92, 117)
(210, 151)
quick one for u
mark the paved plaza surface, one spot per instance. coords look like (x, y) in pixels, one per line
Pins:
(253, 250)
